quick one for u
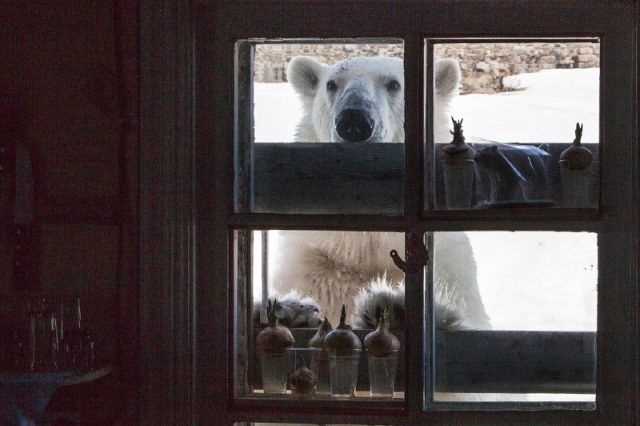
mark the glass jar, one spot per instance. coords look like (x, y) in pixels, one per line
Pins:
(275, 370)
(382, 374)
(344, 373)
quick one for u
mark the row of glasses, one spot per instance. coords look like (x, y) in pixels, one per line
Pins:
(52, 337)
(332, 374)
(77, 345)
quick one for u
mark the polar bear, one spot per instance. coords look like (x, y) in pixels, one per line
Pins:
(361, 100)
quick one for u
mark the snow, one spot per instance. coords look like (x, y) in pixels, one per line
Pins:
(528, 280)
(545, 111)
(538, 280)
(277, 111)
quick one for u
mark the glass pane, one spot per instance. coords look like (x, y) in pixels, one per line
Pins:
(312, 121)
(516, 316)
(301, 278)
(516, 124)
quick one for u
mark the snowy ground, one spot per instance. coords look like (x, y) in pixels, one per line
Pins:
(528, 280)
(545, 110)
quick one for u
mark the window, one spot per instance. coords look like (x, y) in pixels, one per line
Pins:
(249, 184)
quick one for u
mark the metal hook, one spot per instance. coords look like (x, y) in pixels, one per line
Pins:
(417, 252)
(401, 264)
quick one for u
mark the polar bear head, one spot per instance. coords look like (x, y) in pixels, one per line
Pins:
(362, 99)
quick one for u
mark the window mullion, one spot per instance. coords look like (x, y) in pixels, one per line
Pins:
(414, 286)
(244, 126)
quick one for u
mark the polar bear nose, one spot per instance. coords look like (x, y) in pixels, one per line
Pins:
(354, 125)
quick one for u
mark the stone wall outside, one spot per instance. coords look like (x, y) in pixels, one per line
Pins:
(483, 65)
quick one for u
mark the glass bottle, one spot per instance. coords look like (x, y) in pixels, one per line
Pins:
(73, 340)
(88, 356)
(42, 336)
(54, 340)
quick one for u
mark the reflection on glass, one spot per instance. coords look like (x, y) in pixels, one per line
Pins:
(539, 291)
(518, 108)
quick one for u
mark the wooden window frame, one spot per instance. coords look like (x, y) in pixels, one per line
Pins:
(186, 363)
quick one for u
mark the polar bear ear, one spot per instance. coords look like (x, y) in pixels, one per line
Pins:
(447, 75)
(304, 74)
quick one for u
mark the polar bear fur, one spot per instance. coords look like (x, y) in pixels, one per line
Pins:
(369, 77)
(332, 267)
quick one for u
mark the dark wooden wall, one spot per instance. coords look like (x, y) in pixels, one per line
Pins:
(71, 71)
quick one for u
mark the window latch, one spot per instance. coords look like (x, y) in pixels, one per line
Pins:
(417, 255)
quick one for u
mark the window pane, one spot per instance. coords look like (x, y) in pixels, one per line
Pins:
(521, 315)
(517, 106)
(312, 122)
(301, 278)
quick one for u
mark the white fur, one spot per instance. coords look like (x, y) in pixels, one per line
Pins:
(309, 79)
(332, 267)
(292, 310)
(381, 294)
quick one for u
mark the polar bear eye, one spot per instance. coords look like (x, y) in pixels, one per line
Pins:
(393, 85)
(332, 86)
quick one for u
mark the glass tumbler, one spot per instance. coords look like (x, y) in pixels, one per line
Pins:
(43, 336)
(382, 374)
(320, 365)
(344, 373)
(275, 370)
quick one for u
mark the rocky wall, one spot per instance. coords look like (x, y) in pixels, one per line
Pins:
(483, 65)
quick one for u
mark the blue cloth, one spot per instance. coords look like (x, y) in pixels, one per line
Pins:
(24, 396)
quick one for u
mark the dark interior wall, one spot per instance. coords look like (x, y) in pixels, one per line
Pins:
(70, 69)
